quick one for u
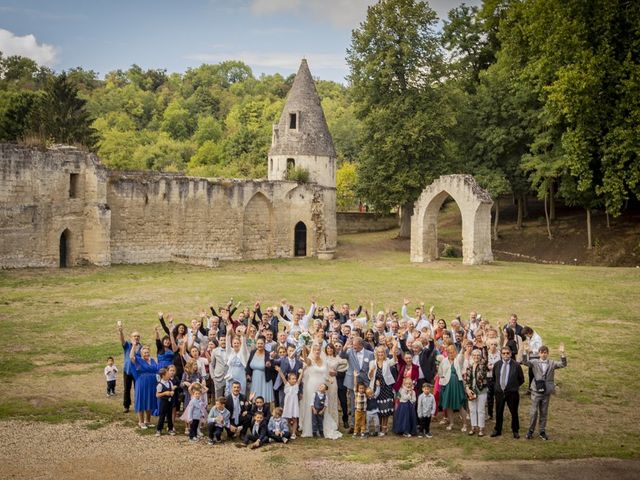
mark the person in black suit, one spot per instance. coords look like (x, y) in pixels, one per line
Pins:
(239, 408)
(258, 432)
(508, 376)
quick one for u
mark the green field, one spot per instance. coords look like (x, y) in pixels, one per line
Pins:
(58, 326)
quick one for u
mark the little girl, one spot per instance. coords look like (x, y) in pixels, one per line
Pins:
(291, 409)
(190, 376)
(404, 418)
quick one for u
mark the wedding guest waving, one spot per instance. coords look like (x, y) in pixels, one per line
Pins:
(542, 386)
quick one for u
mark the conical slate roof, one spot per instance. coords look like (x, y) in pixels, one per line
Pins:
(312, 135)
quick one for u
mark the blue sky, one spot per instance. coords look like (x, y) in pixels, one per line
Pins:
(269, 35)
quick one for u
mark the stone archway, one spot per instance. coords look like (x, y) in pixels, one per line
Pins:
(257, 232)
(475, 207)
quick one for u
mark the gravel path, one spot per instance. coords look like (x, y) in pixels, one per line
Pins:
(33, 450)
(72, 451)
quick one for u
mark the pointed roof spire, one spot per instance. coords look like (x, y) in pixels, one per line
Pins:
(311, 134)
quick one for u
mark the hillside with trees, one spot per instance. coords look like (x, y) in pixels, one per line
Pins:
(535, 98)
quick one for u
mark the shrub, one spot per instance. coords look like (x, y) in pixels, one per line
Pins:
(449, 251)
(297, 174)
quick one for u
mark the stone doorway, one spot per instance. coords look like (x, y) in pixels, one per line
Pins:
(475, 208)
(64, 248)
(300, 240)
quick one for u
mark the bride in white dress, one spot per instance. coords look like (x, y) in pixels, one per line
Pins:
(317, 372)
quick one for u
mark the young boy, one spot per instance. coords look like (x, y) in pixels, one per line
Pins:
(110, 371)
(278, 428)
(219, 419)
(360, 419)
(195, 411)
(165, 393)
(258, 406)
(257, 434)
(426, 409)
(373, 418)
(317, 410)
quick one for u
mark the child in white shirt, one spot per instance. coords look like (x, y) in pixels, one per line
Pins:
(110, 372)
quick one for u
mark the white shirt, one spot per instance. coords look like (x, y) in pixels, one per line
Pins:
(360, 357)
(535, 342)
(110, 372)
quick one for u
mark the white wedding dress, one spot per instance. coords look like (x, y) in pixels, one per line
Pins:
(314, 375)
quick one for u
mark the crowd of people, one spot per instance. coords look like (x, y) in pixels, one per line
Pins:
(268, 376)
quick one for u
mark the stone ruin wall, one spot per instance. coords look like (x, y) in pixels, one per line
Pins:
(148, 217)
(36, 207)
(164, 217)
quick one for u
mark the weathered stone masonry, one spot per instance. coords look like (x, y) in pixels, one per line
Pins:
(62, 207)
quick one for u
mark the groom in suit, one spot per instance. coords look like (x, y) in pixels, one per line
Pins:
(357, 372)
(508, 377)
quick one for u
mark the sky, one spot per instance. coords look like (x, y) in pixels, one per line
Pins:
(271, 36)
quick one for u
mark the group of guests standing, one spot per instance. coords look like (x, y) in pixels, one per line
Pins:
(268, 376)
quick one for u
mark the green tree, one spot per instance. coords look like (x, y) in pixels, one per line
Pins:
(396, 67)
(61, 115)
(346, 181)
(177, 121)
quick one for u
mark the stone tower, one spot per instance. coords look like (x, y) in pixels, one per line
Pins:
(301, 138)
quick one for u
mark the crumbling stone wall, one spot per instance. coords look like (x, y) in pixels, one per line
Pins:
(146, 217)
(157, 217)
(44, 194)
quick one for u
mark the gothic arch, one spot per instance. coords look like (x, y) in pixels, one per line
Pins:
(64, 257)
(257, 228)
(475, 207)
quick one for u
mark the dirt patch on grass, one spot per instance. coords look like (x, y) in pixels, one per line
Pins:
(580, 469)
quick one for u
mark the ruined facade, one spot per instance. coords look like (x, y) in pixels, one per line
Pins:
(61, 207)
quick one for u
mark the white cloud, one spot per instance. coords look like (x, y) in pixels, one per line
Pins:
(280, 60)
(342, 13)
(27, 46)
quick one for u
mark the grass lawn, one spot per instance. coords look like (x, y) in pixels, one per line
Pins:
(60, 325)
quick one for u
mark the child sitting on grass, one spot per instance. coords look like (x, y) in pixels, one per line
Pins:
(219, 419)
(278, 428)
(257, 434)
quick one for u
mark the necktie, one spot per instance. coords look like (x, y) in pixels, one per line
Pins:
(255, 428)
(503, 376)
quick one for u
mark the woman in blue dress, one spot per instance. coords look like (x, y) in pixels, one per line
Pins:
(237, 358)
(144, 370)
(260, 372)
(166, 349)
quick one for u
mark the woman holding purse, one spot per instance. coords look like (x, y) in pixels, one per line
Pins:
(476, 390)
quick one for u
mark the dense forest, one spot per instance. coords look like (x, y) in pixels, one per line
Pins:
(533, 97)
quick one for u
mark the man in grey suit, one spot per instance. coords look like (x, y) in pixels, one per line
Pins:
(542, 386)
(357, 372)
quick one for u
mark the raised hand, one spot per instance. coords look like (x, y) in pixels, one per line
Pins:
(406, 301)
(561, 349)
(160, 315)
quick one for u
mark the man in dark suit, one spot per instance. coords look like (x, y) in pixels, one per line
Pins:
(508, 377)
(287, 365)
(238, 407)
